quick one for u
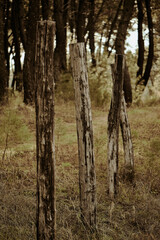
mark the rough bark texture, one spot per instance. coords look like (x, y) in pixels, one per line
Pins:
(87, 176)
(113, 125)
(127, 142)
(46, 209)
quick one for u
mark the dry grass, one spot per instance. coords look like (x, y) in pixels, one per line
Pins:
(135, 213)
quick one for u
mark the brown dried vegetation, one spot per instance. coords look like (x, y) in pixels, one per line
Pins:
(135, 213)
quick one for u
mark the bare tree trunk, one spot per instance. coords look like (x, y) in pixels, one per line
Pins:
(87, 176)
(151, 43)
(16, 38)
(126, 134)
(29, 61)
(6, 43)
(140, 60)
(80, 21)
(113, 125)
(3, 68)
(47, 9)
(46, 209)
(127, 142)
(92, 32)
(21, 23)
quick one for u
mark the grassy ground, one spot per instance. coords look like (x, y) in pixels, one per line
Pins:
(135, 213)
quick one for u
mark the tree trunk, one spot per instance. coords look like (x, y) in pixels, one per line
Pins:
(92, 32)
(127, 88)
(47, 7)
(6, 27)
(87, 176)
(21, 23)
(120, 43)
(29, 62)
(60, 51)
(151, 44)
(113, 125)
(140, 39)
(46, 210)
(123, 25)
(113, 24)
(127, 142)
(16, 38)
(3, 67)
(80, 23)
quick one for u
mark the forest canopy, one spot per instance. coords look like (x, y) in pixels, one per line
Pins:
(76, 21)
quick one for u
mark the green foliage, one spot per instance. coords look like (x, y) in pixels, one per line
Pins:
(100, 82)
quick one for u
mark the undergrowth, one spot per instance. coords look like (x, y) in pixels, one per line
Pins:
(135, 213)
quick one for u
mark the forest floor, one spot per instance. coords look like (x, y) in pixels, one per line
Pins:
(135, 213)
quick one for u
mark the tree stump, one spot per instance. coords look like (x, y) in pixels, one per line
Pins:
(113, 124)
(87, 176)
(46, 209)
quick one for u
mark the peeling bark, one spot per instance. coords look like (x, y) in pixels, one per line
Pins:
(87, 176)
(46, 209)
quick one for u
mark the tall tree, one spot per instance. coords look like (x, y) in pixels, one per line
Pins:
(140, 39)
(21, 18)
(151, 44)
(28, 70)
(80, 21)
(120, 44)
(144, 79)
(46, 202)
(3, 66)
(16, 39)
(47, 7)
(92, 31)
(6, 30)
(60, 50)
(113, 24)
(123, 25)
(118, 112)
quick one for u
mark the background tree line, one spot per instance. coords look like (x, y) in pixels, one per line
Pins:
(82, 19)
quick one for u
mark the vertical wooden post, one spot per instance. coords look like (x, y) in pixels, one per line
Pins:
(127, 142)
(46, 209)
(87, 176)
(113, 125)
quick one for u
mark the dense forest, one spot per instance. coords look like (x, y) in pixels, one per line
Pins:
(118, 197)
